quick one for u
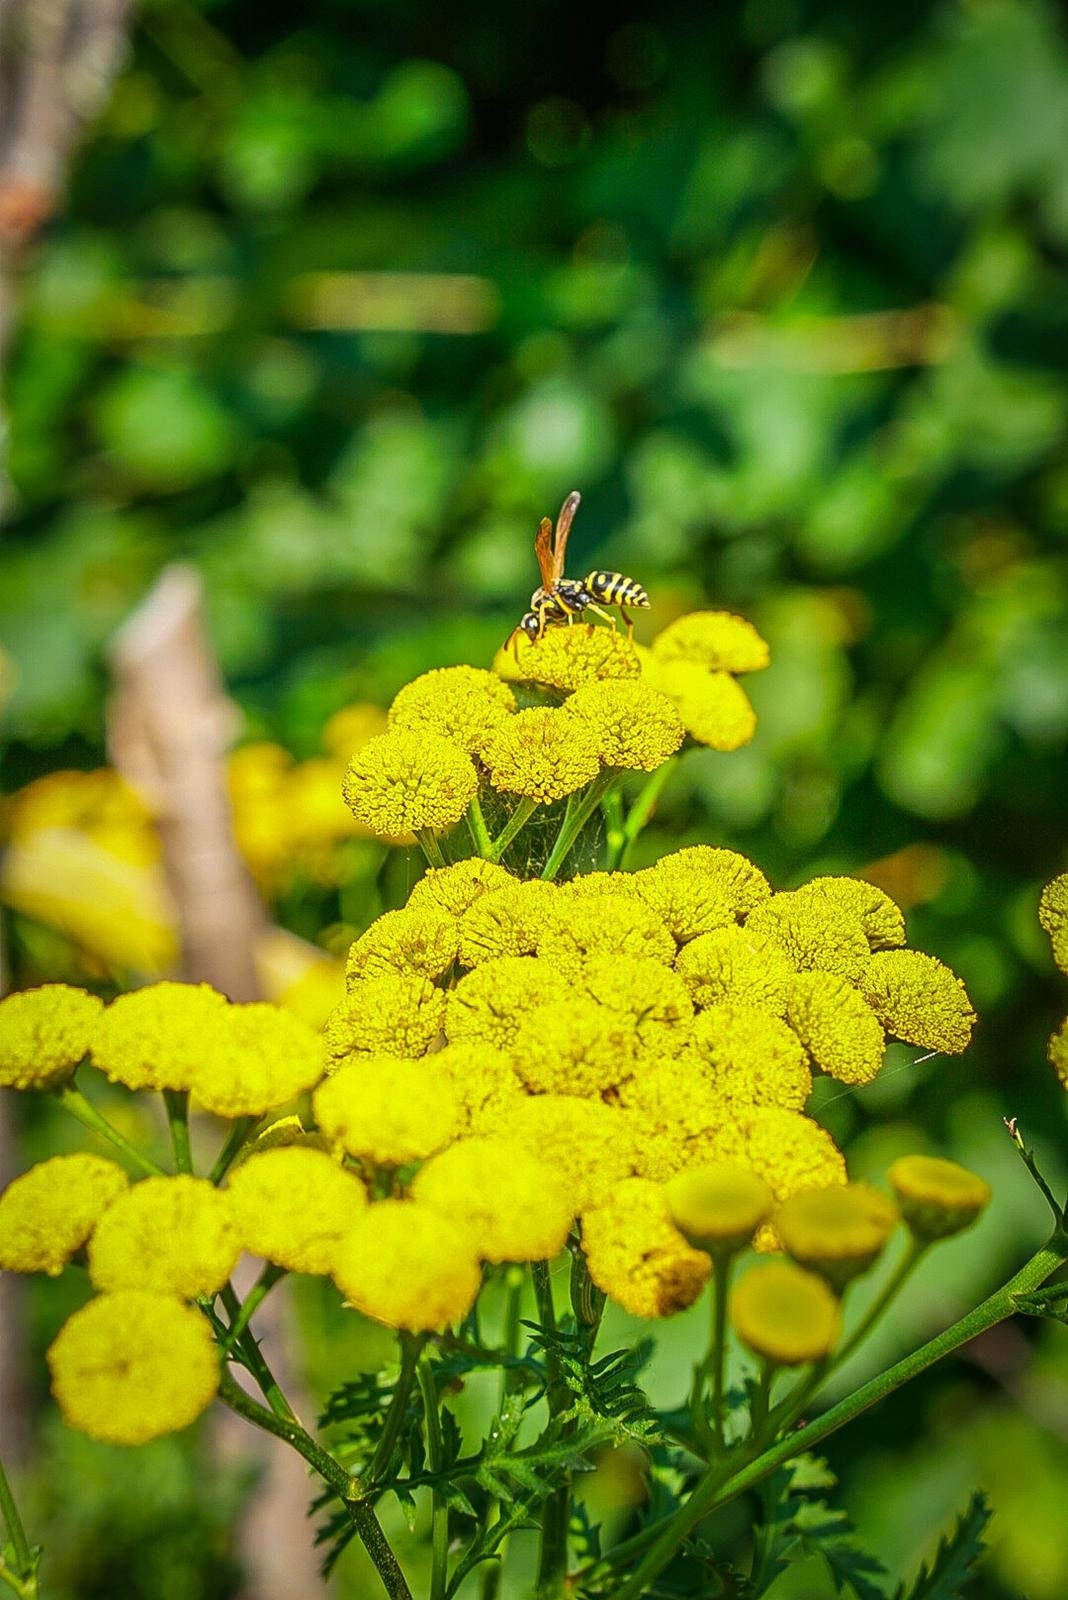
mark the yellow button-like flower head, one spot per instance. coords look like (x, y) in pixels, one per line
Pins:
(718, 1208)
(566, 658)
(129, 1367)
(937, 1198)
(751, 1056)
(390, 1111)
(649, 995)
(483, 1083)
(462, 704)
(881, 919)
(693, 895)
(585, 1141)
(838, 1231)
(634, 726)
(167, 1236)
(420, 940)
(352, 727)
(292, 1205)
(785, 1314)
(836, 1025)
(515, 1206)
(675, 1115)
(637, 1255)
(44, 1033)
(491, 1002)
(390, 1014)
(735, 963)
(154, 1038)
(574, 926)
(718, 640)
(567, 1049)
(505, 922)
(1053, 915)
(542, 754)
(254, 1058)
(454, 889)
(49, 1213)
(406, 1265)
(817, 934)
(713, 707)
(919, 1000)
(405, 781)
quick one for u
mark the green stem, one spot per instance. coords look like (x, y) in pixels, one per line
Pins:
(247, 1350)
(435, 1454)
(1060, 1216)
(256, 1295)
(644, 806)
(721, 1277)
(397, 1413)
(578, 813)
(476, 823)
(615, 840)
(177, 1104)
(430, 847)
(723, 1482)
(71, 1098)
(20, 1545)
(518, 820)
(367, 1525)
(239, 1132)
(556, 1513)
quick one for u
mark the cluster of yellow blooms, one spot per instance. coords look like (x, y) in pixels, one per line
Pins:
(1053, 915)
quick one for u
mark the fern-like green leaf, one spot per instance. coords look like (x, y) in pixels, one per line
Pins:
(956, 1558)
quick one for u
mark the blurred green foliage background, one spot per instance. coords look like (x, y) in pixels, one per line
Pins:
(343, 299)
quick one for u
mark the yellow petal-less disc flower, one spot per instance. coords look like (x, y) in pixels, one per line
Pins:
(785, 1314)
(836, 1025)
(390, 1014)
(585, 1141)
(44, 1033)
(566, 658)
(919, 1000)
(387, 1110)
(255, 1058)
(574, 926)
(129, 1367)
(504, 922)
(420, 940)
(635, 726)
(713, 707)
(491, 1002)
(739, 880)
(483, 1083)
(455, 889)
(352, 727)
(1057, 1052)
(838, 1231)
(293, 1205)
(789, 1151)
(752, 1058)
(882, 920)
(718, 640)
(513, 1205)
(652, 996)
(1053, 915)
(692, 898)
(406, 781)
(406, 1265)
(816, 934)
(157, 1037)
(167, 1236)
(542, 754)
(48, 1213)
(734, 963)
(674, 1113)
(637, 1255)
(718, 1208)
(937, 1197)
(462, 704)
(564, 1049)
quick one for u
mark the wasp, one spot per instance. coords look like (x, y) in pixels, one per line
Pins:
(559, 600)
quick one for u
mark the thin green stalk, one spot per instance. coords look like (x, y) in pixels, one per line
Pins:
(71, 1098)
(556, 1513)
(721, 1277)
(367, 1525)
(398, 1410)
(239, 1132)
(177, 1104)
(435, 1455)
(430, 847)
(644, 806)
(20, 1545)
(247, 1350)
(476, 823)
(516, 822)
(726, 1481)
(255, 1297)
(578, 813)
(615, 837)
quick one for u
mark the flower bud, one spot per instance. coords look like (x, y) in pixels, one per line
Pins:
(937, 1198)
(785, 1314)
(837, 1231)
(719, 1208)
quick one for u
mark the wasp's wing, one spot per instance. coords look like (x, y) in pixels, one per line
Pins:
(543, 542)
(563, 528)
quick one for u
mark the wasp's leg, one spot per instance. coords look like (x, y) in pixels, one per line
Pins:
(629, 621)
(543, 621)
(599, 612)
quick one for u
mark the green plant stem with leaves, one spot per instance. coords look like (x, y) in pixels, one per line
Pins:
(18, 1563)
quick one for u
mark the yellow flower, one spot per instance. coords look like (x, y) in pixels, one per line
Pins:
(155, 1037)
(675, 1115)
(388, 1110)
(405, 781)
(937, 1198)
(1057, 1052)
(919, 1000)
(752, 1058)
(49, 1213)
(788, 1150)
(352, 727)
(420, 940)
(586, 1142)
(836, 1025)
(816, 934)
(649, 996)
(695, 893)
(838, 1231)
(573, 926)
(44, 1033)
(482, 1082)
(292, 1205)
(1053, 915)
(718, 1208)
(634, 726)
(566, 658)
(255, 1057)
(462, 704)
(514, 1206)
(718, 640)
(393, 1014)
(167, 1236)
(504, 922)
(881, 919)
(569, 1049)
(637, 1255)
(404, 1264)
(714, 708)
(128, 1367)
(784, 1314)
(542, 754)
(491, 1002)
(454, 889)
(739, 880)
(735, 963)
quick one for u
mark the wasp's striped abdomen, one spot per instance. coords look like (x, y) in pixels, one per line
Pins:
(615, 589)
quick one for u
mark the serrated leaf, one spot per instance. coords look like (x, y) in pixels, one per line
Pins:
(956, 1558)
